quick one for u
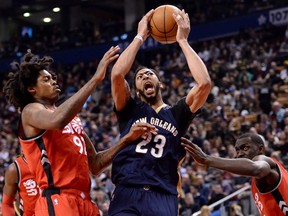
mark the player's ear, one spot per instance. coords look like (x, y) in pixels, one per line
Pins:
(262, 148)
(161, 85)
(138, 94)
(31, 90)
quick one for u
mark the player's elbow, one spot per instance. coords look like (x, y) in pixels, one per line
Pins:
(260, 171)
(96, 167)
(114, 74)
(205, 85)
(116, 71)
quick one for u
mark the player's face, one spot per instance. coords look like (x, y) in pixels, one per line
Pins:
(245, 148)
(46, 88)
(147, 84)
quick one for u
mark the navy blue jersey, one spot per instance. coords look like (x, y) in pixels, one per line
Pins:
(153, 161)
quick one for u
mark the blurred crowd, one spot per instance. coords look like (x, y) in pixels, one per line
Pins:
(86, 33)
(250, 93)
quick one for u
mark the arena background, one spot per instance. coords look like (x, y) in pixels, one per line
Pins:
(244, 45)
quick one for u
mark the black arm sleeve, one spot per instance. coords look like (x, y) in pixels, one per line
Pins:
(183, 114)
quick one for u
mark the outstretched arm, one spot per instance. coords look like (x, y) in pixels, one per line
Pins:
(99, 161)
(120, 91)
(241, 166)
(10, 190)
(197, 96)
(37, 116)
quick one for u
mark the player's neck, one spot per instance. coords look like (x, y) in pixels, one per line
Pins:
(158, 105)
(47, 103)
(50, 106)
(155, 102)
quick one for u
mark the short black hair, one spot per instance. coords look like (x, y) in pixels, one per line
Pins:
(255, 138)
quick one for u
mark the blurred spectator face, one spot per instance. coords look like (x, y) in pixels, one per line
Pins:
(185, 179)
(286, 121)
(189, 170)
(100, 196)
(105, 207)
(206, 146)
(194, 190)
(214, 152)
(195, 133)
(93, 195)
(205, 211)
(199, 180)
(276, 106)
(189, 200)
(218, 189)
(235, 210)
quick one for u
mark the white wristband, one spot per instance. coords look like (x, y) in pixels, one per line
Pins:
(139, 37)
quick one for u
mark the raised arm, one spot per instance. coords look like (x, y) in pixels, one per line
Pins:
(258, 167)
(99, 161)
(120, 88)
(197, 96)
(10, 190)
(37, 116)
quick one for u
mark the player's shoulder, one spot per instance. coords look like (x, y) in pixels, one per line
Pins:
(11, 172)
(32, 106)
(11, 167)
(181, 102)
(31, 109)
(271, 161)
(180, 105)
(263, 157)
(20, 159)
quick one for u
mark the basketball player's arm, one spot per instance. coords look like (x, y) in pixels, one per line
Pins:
(9, 190)
(120, 91)
(37, 116)
(197, 96)
(257, 167)
(99, 161)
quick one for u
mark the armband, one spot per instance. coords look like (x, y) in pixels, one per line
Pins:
(139, 37)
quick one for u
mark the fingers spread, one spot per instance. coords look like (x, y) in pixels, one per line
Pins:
(146, 128)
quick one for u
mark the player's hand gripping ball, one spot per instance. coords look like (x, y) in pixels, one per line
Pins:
(163, 25)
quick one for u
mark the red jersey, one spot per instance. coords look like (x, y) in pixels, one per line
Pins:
(274, 202)
(27, 188)
(58, 158)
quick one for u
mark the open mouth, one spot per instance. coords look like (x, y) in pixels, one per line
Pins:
(148, 87)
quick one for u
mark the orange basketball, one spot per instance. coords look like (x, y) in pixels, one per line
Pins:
(163, 25)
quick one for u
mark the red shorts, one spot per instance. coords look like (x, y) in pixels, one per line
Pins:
(69, 203)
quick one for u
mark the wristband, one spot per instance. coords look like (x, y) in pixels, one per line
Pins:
(139, 37)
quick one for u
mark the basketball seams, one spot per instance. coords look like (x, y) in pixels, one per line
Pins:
(163, 26)
(165, 23)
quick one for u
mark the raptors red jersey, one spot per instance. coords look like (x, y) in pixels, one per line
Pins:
(58, 158)
(27, 188)
(274, 202)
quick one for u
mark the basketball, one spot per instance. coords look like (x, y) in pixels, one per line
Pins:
(162, 24)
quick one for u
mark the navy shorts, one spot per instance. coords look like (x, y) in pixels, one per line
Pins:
(142, 201)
